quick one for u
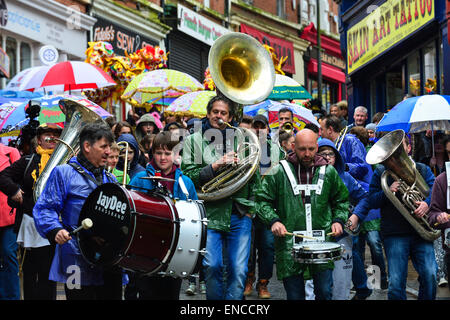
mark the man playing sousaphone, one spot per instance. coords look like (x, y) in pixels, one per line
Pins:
(229, 219)
(284, 203)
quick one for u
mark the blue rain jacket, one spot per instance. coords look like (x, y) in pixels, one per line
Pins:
(64, 195)
(137, 183)
(354, 155)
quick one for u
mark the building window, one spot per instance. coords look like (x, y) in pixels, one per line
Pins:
(414, 73)
(25, 56)
(329, 92)
(429, 68)
(281, 10)
(11, 51)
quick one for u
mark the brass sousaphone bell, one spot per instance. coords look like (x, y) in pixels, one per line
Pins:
(243, 71)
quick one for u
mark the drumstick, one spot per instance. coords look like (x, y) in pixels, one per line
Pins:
(299, 236)
(85, 224)
(330, 234)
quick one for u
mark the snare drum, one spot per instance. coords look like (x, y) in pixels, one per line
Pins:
(316, 252)
(140, 232)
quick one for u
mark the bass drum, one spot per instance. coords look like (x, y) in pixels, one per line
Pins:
(143, 233)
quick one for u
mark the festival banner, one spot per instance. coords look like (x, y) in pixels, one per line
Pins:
(384, 27)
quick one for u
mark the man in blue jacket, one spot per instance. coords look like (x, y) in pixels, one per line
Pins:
(401, 240)
(358, 197)
(162, 164)
(57, 211)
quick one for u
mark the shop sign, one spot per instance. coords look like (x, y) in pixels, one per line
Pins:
(3, 13)
(120, 38)
(198, 26)
(282, 47)
(387, 25)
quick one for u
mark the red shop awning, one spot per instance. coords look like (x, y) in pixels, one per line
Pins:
(328, 71)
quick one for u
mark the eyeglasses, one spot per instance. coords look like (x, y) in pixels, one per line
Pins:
(327, 154)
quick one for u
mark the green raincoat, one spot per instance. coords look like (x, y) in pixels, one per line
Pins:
(276, 202)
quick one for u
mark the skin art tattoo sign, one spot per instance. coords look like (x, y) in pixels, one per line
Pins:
(384, 27)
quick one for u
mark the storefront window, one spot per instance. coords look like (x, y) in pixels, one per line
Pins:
(414, 74)
(429, 58)
(329, 92)
(394, 87)
(25, 56)
(11, 49)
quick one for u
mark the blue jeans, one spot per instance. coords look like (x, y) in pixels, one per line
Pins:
(359, 275)
(398, 250)
(323, 286)
(9, 266)
(262, 241)
(237, 250)
(373, 239)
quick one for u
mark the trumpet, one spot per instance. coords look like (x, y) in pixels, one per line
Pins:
(125, 165)
(341, 137)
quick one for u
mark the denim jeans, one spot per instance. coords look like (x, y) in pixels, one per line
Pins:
(359, 275)
(237, 250)
(373, 239)
(9, 266)
(398, 250)
(262, 242)
(323, 286)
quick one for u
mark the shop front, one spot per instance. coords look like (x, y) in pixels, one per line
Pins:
(33, 24)
(189, 41)
(332, 67)
(396, 50)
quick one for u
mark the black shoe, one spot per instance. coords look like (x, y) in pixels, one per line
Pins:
(384, 285)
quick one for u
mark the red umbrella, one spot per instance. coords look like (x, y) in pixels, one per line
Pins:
(70, 75)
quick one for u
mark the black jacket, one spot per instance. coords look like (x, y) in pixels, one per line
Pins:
(14, 178)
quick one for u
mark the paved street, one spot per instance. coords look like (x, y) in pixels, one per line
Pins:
(277, 291)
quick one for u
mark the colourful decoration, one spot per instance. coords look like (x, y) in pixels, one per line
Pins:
(278, 63)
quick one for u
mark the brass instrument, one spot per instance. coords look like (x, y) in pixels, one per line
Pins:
(287, 127)
(234, 176)
(77, 116)
(241, 68)
(243, 71)
(125, 161)
(341, 137)
(390, 152)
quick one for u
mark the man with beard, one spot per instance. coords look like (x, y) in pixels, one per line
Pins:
(286, 205)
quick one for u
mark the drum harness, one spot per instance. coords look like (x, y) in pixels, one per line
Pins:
(298, 188)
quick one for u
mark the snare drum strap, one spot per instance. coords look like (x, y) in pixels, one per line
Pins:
(297, 188)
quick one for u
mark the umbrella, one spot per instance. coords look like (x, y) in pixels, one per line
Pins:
(286, 88)
(429, 112)
(153, 86)
(270, 108)
(68, 76)
(21, 80)
(191, 104)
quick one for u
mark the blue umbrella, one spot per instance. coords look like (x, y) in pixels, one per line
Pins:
(429, 112)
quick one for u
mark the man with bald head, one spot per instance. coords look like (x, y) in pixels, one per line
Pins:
(303, 195)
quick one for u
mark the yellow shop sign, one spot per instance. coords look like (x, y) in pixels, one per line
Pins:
(385, 26)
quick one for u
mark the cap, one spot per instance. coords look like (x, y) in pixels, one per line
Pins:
(262, 119)
(192, 121)
(48, 127)
(371, 126)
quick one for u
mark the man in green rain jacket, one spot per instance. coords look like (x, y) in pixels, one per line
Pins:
(284, 209)
(205, 152)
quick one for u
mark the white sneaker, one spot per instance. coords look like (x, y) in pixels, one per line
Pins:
(190, 291)
(442, 282)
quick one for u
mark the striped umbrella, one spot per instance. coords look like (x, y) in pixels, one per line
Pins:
(286, 88)
(68, 76)
(191, 104)
(154, 86)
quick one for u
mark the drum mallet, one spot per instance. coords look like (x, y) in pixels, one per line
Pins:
(437, 223)
(299, 236)
(85, 224)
